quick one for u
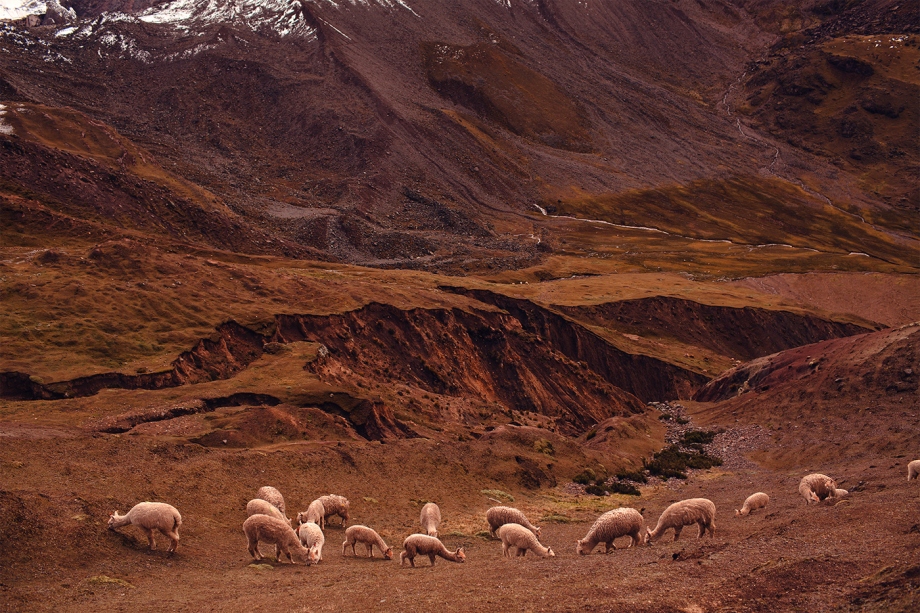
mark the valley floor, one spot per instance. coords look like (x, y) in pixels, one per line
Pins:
(859, 554)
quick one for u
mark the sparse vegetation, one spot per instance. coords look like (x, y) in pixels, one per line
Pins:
(106, 580)
(602, 489)
(698, 437)
(556, 518)
(632, 475)
(671, 462)
(498, 494)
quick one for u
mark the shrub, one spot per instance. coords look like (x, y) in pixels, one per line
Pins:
(671, 462)
(698, 437)
(600, 489)
(624, 488)
(585, 477)
(635, 475)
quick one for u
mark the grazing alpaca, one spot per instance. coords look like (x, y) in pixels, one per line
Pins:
(423, 544)
(151, 516)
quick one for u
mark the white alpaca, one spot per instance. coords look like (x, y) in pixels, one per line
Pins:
(516, 536)
(753, 502)
(431, 519)
(423, 544)
(698, 511)
(151, 516)
(610, 526)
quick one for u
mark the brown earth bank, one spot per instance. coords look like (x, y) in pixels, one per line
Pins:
(514, 358)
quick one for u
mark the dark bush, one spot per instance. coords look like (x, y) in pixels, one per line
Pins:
(635, 475)
(624, 488)
(671, 462)
(595, 490)
(698, 437)
(585, 477)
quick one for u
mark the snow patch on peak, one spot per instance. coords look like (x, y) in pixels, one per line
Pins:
(17, 9)
(51, 9)
(5, 128)
(389, 4)
(281, 16)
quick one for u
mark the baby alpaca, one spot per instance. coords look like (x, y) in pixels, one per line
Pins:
(431, 519)
(363, 534)
(753, 502)
(612, 525)
(423, 544)
(816, 487)
(274, 531)
(315, 513)
(499, 516)
(150, 516)
(312, 538)
(685, 513)
(520, 538)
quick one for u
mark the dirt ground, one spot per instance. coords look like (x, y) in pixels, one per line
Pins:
(858, 554)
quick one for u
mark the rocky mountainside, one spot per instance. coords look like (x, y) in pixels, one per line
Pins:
(421, 134)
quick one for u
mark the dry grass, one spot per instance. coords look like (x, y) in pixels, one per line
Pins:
(746, 210)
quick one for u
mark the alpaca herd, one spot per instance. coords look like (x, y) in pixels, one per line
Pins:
(267, 522)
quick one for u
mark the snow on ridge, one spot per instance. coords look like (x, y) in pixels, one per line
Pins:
(283, 16)
(388, 4)
(17, 9)
(186, 18)
(275, 14)
(5, 128)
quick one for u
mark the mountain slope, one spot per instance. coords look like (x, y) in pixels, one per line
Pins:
(424, 134)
